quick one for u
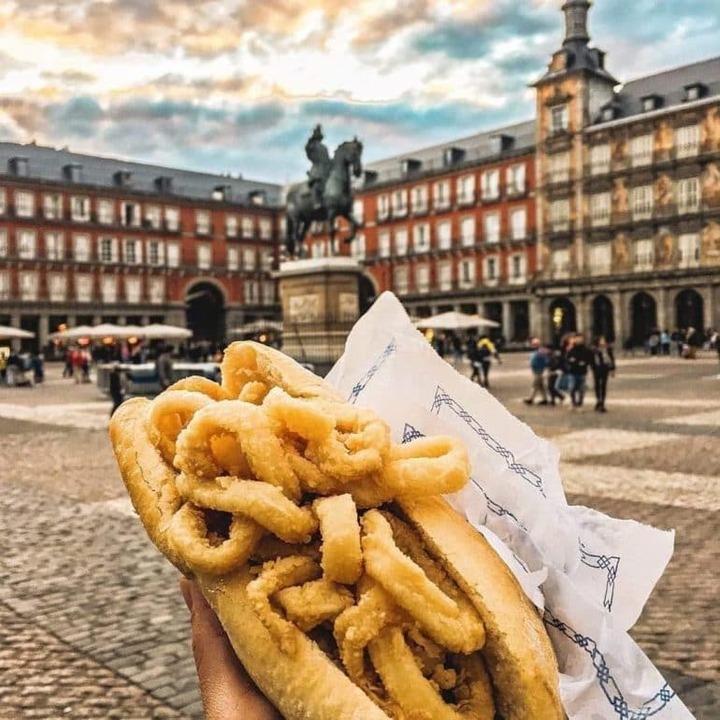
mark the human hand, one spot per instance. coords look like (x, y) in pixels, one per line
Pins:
(227, 691)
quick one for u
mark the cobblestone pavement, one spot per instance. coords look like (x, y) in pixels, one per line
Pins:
(97, 628)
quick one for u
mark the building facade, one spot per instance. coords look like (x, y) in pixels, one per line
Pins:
(85, 240)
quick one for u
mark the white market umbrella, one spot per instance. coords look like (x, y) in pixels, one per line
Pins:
(13, 333)
(257, 326)
(164, 332)
(454, 321)
(81, 331)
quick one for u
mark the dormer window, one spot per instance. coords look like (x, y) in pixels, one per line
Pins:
(651, 102)
(695, 91)
(608, 113)
(410, 165)
(559, 119)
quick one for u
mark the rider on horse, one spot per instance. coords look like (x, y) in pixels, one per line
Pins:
(318, 155)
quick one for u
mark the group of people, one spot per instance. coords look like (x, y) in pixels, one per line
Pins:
(21, 370)
(555, 370)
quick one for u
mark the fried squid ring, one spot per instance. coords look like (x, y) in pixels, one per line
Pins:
(455, 626)
(313, 603)
(340, 532)
(202, 385)
(188, 536)
(427, 466)
(273, 577)
(169, 414)
(305, 418)
(263, 503)
(251, 428)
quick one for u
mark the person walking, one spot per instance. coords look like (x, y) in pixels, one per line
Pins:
(480, 356)
(164, 367)
(538, 365)
(116, 387)
(603, 365)
(579, 359)
(556, 368)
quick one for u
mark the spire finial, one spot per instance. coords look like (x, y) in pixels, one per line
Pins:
(576, 12)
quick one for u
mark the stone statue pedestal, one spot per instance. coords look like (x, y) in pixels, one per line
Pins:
(320, 302)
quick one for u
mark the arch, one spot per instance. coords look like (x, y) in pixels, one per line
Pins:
(689, 309)
(643, 317)
(603, 321)
(563, 318)
(205, 311)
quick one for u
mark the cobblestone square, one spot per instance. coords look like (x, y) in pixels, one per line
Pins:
(91, 621)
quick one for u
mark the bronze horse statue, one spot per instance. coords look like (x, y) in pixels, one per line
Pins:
(337, 199)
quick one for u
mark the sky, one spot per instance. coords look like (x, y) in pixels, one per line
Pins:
(236, 86)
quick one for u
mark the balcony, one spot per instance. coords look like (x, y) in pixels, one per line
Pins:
(515, 191)
(420, 209)
(466, 199)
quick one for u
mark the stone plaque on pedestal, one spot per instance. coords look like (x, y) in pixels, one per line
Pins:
(320, 301)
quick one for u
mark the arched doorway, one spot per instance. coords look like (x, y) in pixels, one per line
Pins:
(643, 315)
(603, 322)
(563, 319)
(205, 312)
(689, 309)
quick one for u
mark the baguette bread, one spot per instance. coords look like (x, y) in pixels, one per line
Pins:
(380, 653)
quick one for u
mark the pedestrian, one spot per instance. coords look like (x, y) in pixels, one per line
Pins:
(68, 369)
(556, 367)
(579, 360)
(603, 365)
(164, 367)
(480, 355)
(665, 342)
(116, 387)
(538, 365)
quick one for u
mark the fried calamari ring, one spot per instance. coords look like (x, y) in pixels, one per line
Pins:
(169, 414)
(253, 392)
(313, 603)
(305, 418)
(202, 385)
(263, 503)
(275, 576)
(340, 532)
(254, 433)
(188, 536)
(455, 626)
(427, 466)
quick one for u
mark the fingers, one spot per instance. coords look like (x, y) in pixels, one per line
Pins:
(227, 691)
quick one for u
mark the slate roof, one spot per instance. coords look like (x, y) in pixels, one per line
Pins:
(47, 163)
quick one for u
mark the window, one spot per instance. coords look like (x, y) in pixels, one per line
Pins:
(644, 253)
(357, 249)
(80, 208)
(57, 287)
(29, 286)
(204, 256)
(600, 259)
(107, 250)
(467, 231)
(358, 211)
(84, 288)
(266, 228)
(130, 214)
(422, 278)
(383, 206)
(399, 203)
(173, 255)
(559, 119)
(106, 212)
(641, 150)
(172, 219)
(24, 204)
(81, 248)
(491, 222)
(491, 271)
(400, 280)
(4, 249)
(518, 269)
(560, 263)
(268, 293)
(233, 258)
(153, 216)
(3, 201)
(419, 199)
(248, 227)
(266, 257)
(155, 252)
(401, 241)
(466, 189)
(600, 209)
(558, 168)
(202, 222)
(490, 185)
(26, 240)
(641, 199)
(515, 179)
(444, 276)
(560, 215)
(4, 286)
(133, 289)
(384, 244)
(518, 224)
(687, 141)
(132, 251)
(421, 238)
(108, 288)
(52, 207)
(231, 226)
(444, 235)
(467, 273)
(157, 290)
(250, 290)
(689, 249)
(441, 195)
(54, 246)
(249, 258)
(688, 195)
(600, 159)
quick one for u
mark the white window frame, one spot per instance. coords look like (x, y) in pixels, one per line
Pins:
(29, 286)
(517, 269)
(467, 273)
(202, 222)
(172, 219)
(401, 241)
(84, 287)
(231, 226)
(383, 207)
(133, 287)
(173, 255)
(399, 203)
(384, 244)
(57, 287)
(107, 249)
(559, 119)
(4, 245)
(421, 238)
(560, 263)
(688, 195)
(443, 231)
(130, 214)
(5, 289)
(518, 228)
(643, 254)
(490, 185)
(247, 227)
(444, 276)
(600, 209)
(465, 189)
(559, 167)
(422, 278)
(52, 206)
(441, 195)
(559, 215)
(401, 279)
(515, 177)
(265, 228)
(641, 150)
(357, 249)
(641, 202)
(204, 256)
(358, 210)
(251, 292)
(106, 211)
(468, 231)
(600, 259)
(687, 141)
(600, 159)
(3, 201)
(24, 204)
(80, 208)
(26, 244)
(491, 270)
(156, 290)
(155, 253)
(109, 288)
(233, 259)
(249, 259)
(132, 251)
(491, 227)
(54, 246)
(82, 248)
(419, 199)
(153, 216)
(688, 250)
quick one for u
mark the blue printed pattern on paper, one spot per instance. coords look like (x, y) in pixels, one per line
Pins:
(609, 563)
(361, 384)
(443, 399)
(605, 679)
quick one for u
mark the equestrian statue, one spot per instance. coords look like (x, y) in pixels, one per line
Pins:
(327, 193)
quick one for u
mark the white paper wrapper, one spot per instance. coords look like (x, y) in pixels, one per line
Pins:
(588, 573)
